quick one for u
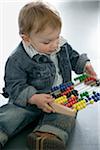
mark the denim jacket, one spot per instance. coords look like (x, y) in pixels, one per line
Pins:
(25, 76)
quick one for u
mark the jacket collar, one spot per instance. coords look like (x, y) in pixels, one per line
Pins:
(32, 52)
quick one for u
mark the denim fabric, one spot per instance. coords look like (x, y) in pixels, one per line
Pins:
(54, 130)
(14, 118)
(3, 138)
(37, 74)
(25, 76)
(58, 124)
(63, 122)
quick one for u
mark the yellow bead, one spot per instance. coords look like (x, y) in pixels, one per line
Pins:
(78, 108)
(75, 109)
(91, 101)
(84, 105)
(84, 100)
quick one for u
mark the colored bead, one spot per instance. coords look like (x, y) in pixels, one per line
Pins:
(66, 95)
(91, 101)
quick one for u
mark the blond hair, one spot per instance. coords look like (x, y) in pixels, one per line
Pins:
(36, 16)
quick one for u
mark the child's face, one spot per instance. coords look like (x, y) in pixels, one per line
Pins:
(45, 42)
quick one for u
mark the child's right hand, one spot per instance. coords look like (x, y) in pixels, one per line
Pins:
(42, 101)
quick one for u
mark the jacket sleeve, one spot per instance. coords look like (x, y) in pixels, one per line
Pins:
(16, 83)
(77, 61)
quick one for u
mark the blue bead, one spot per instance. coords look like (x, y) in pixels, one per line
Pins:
(89, 98)
(98, 98)
(93, 97)
(98, 94)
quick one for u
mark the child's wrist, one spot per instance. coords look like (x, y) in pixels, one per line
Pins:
(86, 65)
(32, 99)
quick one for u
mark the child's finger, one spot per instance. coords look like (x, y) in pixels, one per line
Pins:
(49, 108)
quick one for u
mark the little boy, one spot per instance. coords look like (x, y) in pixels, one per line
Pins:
(43, 59)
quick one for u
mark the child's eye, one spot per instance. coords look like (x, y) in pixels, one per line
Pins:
(45, 42)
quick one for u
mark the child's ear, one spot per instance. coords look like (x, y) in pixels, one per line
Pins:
(25, 38)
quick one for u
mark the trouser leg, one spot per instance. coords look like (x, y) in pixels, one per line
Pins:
(58, 124)
(13, 119)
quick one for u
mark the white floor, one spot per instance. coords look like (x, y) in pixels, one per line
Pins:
(86, 135)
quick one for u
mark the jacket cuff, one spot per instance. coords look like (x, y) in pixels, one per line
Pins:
(79, 69)
(25, 95)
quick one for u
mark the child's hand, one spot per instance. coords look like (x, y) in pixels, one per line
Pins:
(42, 101)
(89, 70)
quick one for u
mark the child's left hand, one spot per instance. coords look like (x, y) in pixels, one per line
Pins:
(89, 70)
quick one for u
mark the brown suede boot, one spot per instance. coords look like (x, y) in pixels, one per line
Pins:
(44, 141)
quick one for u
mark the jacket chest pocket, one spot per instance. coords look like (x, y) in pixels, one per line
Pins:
(37, 73)
(41, 78)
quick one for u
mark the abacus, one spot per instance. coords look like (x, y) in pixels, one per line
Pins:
(71, 97)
